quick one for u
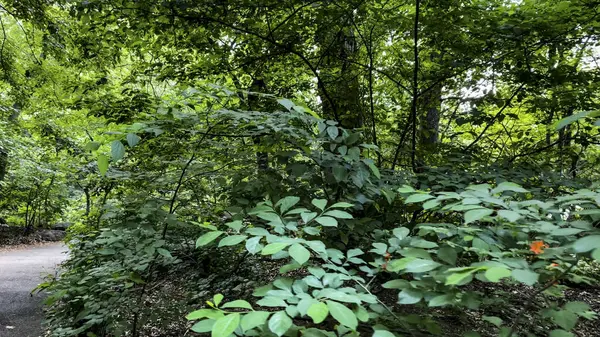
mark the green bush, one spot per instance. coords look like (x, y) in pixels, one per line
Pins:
(501, 236)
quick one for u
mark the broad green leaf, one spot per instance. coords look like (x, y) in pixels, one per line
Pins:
(374, 169)
(286, 103)
(477, 214)
(237, 304)
(572, 119)
(279, 323)
(339, 214)
(92, 146)
(107, 251)
(565, 319)
(447, 254)
(420, 243)
(416, 252)
(341, 205)
(339, 173)
(383, 333)
(203, 326)
(253, 319)
(271, 301)
(273, 248)
(235, 225)
(406, 189)
(318, 312)
(511, 216)
(508, 186)
(262, 290)
(401, 232)
(525, 276)
(117, 150)
(308, 216)
(225, 326)
(102, 164)
(396, 284)
(409, 296)
(418, 198)
(257, 231)
(217, 299)
(596, 254)
(566, 231)
(333, 132)
(313, 281)
(431, 204)
(354, 252)
(132, 139)
(164, 252)
(494, 274)
(342, 314)
(207, 238)
(577, 307)
(327, 221)
(299, 253)
(319, 203)
(587, 243)
(421, 266)
(497, 321)
(560, 333)
(287, 203)
(270, 216)
(232, 240)
(399, 264)
(441, 300)
(204, 313)
(459, 278)
(253, 245)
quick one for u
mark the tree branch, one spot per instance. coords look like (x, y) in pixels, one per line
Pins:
(487, 126)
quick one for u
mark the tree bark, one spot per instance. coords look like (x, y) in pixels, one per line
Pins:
(3, 163)
(430, 117)
(262, 158)
(340, 77)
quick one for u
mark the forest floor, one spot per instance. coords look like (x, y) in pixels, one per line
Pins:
(22, 268)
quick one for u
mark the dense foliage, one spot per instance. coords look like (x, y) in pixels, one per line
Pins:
(394, 163)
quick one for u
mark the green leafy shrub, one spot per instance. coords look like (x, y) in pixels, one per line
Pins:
(358, 249)
(502, 237)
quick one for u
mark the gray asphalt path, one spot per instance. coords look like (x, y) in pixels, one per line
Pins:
(21, 270)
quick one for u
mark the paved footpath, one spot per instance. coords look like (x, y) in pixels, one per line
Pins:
(21, 270)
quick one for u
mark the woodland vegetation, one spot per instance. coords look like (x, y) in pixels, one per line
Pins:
(308, 167)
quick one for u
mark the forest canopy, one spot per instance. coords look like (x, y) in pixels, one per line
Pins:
(307, 167)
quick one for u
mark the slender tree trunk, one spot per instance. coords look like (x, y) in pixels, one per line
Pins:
(88, 201)
(3, 163)
(107, 191)
(262, 158)
(430, 123)
(415, 89)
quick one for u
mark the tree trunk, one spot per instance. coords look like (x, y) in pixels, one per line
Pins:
(88, 201)
(3, 163)
(430, 117)
(262, 158)
(339, 85)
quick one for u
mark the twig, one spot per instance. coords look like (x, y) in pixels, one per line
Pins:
(487, 126)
